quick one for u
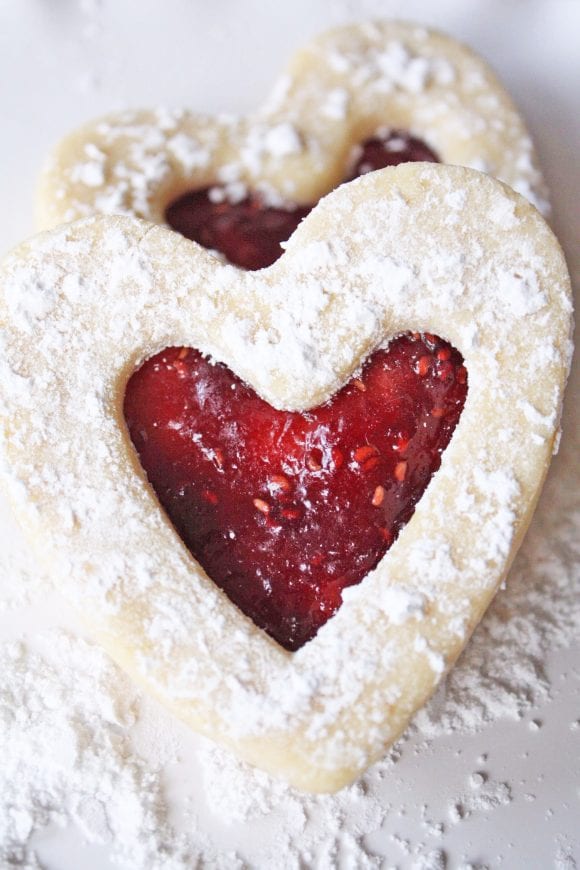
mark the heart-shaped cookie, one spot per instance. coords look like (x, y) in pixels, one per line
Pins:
(437, 249)
(350, 86)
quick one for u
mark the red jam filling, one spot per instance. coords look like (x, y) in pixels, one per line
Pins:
(248, 233)
(284, 510)
(379, 152)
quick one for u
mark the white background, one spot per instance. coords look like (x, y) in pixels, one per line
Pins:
(65, 61)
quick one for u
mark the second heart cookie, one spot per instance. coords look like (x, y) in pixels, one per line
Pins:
(356, 98)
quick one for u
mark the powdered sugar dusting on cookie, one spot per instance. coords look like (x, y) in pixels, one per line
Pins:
(281, 140)
(323, 307)
(189, 153)
(91, 173)
(335, 106)
(398, 604)
(520, 291)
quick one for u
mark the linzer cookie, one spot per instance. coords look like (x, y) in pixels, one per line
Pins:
(356, 99)
(283, 499)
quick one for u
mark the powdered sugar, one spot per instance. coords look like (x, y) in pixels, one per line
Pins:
(188, 153)
(282, 140)
(57, 704)
(520, 291)
(335, 106)
(398, 604)
(92, 172)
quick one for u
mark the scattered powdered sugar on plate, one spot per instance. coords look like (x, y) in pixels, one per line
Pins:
(65, 713)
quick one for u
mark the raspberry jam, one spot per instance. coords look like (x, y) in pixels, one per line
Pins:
(248, 233)
(378, 152)
(284, 510)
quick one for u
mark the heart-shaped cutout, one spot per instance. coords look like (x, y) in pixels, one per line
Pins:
(284, 510)
(348, 88)
(439, 249)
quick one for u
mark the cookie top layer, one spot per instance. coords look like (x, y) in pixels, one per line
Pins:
(340, 89)
(423, 247)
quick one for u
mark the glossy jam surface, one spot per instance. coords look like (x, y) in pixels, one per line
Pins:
(378, 152)
(284, 510)
(248, 232)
